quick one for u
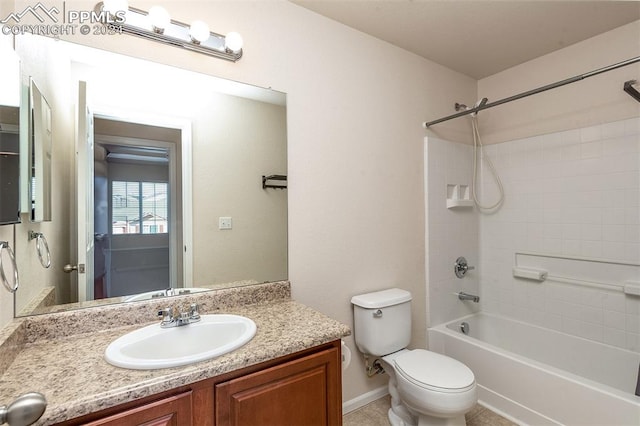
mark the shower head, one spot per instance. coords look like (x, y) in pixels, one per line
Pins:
(481, 102)
(478, 104)
(463, 107)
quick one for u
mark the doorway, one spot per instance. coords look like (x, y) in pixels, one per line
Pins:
(137, 194)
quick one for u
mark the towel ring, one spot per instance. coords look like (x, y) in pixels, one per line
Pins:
(41, 241)
(4, 245)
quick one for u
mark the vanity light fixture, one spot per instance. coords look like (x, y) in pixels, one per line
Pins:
(199, 32)
(157, 25)
(159, 19)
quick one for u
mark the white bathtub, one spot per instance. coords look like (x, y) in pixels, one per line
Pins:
(539, 376)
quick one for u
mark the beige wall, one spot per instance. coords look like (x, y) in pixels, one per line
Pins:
(596, 100)
(236, 141)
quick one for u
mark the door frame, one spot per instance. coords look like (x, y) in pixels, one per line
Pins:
(173, 207)
(184, 125)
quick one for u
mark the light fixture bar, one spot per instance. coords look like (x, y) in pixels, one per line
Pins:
(137, 23)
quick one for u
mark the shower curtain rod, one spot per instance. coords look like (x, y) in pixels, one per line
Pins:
(428, 124)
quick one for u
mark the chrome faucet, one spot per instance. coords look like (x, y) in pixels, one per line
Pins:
(162, 293)
(171, 292)
(466, 296)
(169, 319)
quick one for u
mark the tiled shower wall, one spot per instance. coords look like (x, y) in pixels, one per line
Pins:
(451, 233)
(575, 194)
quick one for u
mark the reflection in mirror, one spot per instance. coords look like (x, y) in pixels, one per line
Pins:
(175, 198)
(9, 132)
(136, 194)
(9, 165)
(39, 155)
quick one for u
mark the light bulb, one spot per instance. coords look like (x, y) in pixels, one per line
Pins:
(233, 42)
(199, 32)
(113, 6)
(159, 18)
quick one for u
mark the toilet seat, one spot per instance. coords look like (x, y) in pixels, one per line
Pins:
(434, 372)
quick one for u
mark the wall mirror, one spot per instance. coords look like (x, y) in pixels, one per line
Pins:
(38, 180)
(9, 165)
(156, 180)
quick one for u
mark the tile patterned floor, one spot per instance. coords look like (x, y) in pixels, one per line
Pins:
(375, 414)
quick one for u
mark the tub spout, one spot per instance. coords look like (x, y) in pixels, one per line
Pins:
(466, 296)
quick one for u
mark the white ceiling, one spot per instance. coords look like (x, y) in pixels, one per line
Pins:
(479, 38)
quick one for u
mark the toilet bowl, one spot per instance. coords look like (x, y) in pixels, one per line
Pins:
(436, 389)
(426, 388)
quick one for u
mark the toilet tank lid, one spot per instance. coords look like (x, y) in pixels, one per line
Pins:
(380, 299)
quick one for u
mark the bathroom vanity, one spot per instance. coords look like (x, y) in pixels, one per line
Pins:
(289, 373)
(302, 388)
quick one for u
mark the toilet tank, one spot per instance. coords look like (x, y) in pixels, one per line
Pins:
(382, 321)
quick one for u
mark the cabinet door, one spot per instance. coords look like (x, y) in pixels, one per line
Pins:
(173, 411)
(305, 391)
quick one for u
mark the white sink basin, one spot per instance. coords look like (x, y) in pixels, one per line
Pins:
(153, 347)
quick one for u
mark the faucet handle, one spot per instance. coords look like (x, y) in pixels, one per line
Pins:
(461, 267)
(195, 315)
(166, 315)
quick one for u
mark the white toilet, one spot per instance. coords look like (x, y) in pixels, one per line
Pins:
(426, 388)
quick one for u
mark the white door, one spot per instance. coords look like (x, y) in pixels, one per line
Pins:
(84, 195)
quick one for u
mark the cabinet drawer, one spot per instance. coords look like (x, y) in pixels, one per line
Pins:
(172, 411)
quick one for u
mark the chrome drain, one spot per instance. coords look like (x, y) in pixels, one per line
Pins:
(464, 327)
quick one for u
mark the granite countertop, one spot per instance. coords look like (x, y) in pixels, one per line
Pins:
(71, 372)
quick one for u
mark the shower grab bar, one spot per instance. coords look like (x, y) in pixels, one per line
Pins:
(541, 89)
(628, 286)
(592, 284)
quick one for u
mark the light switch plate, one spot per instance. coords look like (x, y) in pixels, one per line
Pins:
(225, 223)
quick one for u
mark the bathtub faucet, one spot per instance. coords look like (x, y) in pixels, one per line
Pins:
(466, 296)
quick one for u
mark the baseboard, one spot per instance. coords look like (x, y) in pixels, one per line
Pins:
(364, 399)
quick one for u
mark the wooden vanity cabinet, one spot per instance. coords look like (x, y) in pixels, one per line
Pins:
(298, 392)
(300, 389)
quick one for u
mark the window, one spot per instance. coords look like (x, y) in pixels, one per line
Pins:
(139, 207)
